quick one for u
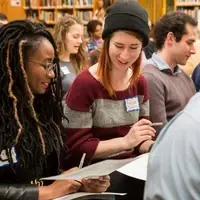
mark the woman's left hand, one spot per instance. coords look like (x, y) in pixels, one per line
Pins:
(100, 184)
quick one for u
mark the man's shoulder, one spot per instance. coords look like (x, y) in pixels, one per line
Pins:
(191, 107)
(150, 67)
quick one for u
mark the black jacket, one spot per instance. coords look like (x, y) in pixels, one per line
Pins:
(18, 192)
(22, 183)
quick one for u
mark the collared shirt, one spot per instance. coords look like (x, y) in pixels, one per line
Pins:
(169, 91)
(159, 63)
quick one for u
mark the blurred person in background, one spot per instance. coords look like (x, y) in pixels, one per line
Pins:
(99, 13)
(94, 29)
(68, 35)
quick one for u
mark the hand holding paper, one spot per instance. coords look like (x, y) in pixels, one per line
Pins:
(95, 185)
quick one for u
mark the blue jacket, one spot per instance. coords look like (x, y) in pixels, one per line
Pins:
(196, 77)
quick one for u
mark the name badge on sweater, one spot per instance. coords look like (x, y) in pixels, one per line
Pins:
(132, 104)
(4, 157)
(65, 70)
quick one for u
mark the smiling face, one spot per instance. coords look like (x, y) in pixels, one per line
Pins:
(124, 50)
(74, 38)
(38, 79)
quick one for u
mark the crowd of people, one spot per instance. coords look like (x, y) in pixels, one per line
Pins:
(63, 95)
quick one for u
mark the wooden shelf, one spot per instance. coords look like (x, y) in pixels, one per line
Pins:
(64, 7)
(50, 22)
(33, 8)
(47, 7)
(187, 5)
(84, 7)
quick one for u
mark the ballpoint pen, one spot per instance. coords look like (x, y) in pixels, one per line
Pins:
(155, 124)
(82, 161)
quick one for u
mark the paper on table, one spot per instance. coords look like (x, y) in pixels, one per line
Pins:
(137, 168)
(86, 196)
(102, 168)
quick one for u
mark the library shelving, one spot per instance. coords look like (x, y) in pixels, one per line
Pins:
(191, 7)
(51, 10)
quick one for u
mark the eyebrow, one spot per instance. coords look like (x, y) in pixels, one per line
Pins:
(48, 59)
(136, 44)
(191, 40)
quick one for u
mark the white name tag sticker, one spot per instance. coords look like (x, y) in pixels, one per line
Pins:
(65, 70)
(4, 157)
(132, 104)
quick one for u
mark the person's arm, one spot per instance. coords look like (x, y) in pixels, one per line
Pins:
(18, 191)
(175, 157)
(156, 101)
(139, 132)
(63, 187)
(58, 188)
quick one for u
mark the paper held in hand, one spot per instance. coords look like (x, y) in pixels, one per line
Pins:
(133, 167)
(87, 196)
(137, 168)
(96, 170)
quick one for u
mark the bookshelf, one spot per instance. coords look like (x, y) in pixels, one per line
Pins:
(191, 7)
(51, 10)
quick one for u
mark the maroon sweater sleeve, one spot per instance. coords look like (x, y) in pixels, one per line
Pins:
(77, 108)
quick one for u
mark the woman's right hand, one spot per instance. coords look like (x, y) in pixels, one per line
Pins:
(63, 187)
(139, 132)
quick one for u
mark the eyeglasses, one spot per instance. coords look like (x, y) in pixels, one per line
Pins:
(49, 67)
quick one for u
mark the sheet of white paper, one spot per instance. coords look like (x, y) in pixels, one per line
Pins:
(87, 196)
(92, 171)
(137, 168)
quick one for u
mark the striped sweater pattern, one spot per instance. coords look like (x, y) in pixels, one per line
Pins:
(94, 116)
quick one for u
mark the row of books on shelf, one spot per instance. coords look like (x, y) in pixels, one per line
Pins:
(84, 2)
(52, 17)
(195, 12)
(57, 3)
(85, 16)
(188, 2)
(47, 16)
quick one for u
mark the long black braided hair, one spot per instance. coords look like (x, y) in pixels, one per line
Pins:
(31, 123)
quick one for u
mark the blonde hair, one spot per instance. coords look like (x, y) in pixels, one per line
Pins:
(62, 27)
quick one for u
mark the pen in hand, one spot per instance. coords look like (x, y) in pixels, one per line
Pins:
(155, 124)
(82, 161)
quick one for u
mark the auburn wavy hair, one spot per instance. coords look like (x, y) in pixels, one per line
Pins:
(105, 64)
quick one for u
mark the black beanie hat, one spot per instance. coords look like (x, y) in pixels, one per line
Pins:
(126, 15)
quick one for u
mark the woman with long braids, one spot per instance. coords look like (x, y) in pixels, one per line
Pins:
(31, 115)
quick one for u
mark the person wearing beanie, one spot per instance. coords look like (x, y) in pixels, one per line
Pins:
(108, 105)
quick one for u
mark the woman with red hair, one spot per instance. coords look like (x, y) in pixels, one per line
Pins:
(108, 104)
